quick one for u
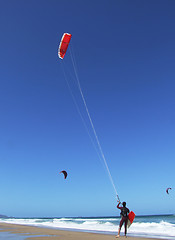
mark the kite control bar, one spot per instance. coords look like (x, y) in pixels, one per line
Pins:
(118, 199)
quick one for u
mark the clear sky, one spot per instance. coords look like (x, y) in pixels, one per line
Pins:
(125, 56)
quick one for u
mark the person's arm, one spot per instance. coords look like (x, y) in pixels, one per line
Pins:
(118, 206)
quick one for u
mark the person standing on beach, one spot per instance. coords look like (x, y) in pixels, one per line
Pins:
(124, 217)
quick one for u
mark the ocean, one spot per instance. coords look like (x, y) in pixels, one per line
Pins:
(157, 226)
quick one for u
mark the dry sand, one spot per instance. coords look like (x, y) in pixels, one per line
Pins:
(37, 233)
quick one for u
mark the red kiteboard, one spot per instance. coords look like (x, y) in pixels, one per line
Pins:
(131, 217)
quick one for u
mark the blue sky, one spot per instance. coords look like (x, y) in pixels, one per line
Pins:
(125, 55)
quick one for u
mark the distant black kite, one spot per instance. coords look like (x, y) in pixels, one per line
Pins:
(65, 174)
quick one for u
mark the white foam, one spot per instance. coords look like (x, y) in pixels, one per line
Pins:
(163, 229)
(148, 229)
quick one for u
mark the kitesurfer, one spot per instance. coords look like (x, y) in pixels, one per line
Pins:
(124, 217)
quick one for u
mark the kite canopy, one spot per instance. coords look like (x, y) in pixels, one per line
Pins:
(167, 190)
(65, 174)
(64, 45)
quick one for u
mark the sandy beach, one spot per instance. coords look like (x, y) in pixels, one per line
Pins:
(37, 233)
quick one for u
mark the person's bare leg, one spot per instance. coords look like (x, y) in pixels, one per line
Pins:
(118, 233)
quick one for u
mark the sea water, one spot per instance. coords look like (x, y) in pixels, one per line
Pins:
(159, 226)
(11, 236)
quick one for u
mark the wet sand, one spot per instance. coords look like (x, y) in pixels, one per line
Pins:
(38, 233)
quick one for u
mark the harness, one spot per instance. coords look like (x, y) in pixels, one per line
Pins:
(124, 212)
